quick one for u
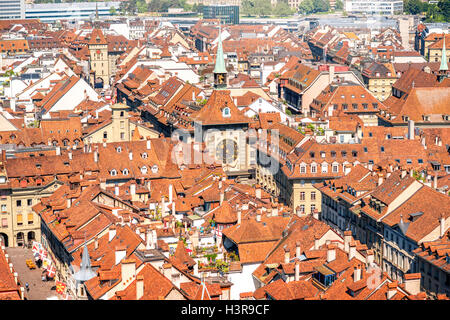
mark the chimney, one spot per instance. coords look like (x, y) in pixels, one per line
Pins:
(392, 289)
(410, 129)
(275, 209)
(258, 215)
(112, 232)
(128, 268)
(297, 249)
(380, 180)
(22, 293)
(133, 188)
(95, 243)
(403, 174)
(148, 239)
(95, 156)
(357, 274)
(442, 225)
(258, 191)
(239, 215)
(424, 142)
(221, 195)
(435, 181)
(149, 144)
(155, 239)
(347, 239)
(331, 74)
(16, 277)
(170, 193)
(130, 155)
(412, 283)
(69, 154)
(297, 270)
(286, 255)
(116, 190)
(315, 214)
(139, 287)
(370, 257)
(196, 269)
(69, 202)
(58, 151)
(120, 254)
(316, 242)
(331, 253)
(351, 250)
(104, 143)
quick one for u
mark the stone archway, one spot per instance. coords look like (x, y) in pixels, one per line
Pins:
(20, 237)
(4, 240)
(31, 236)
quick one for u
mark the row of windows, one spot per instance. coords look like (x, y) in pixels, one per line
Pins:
(313, 196)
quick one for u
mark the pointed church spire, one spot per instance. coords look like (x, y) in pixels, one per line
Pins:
(444, 65)
(85, 272)
(220, 61)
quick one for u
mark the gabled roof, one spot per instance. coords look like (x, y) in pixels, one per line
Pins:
(212, 112)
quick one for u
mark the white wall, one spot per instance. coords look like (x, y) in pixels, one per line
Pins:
(242, 282)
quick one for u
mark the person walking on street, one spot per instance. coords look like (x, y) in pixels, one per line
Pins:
(27, 286)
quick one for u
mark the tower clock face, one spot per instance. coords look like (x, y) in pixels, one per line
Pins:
(227, 151)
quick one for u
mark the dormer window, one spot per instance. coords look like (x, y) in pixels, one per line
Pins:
(144, 170)
(426, 118)
(125, 172)
(155, 169)
(119, 149)
(144, 155)
(226, 112)
(113, 172)
(302, 169)
(313, 168)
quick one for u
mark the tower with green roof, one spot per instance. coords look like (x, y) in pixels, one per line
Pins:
(443, 69)
(220, 71)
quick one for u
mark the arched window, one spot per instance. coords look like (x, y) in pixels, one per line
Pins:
(144, 170)
(226, 112)
(125, 171)
(113, 172)
(144, 155)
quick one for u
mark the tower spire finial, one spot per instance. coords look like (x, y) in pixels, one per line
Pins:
(444, 65)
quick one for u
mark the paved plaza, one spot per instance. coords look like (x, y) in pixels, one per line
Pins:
(39, 290)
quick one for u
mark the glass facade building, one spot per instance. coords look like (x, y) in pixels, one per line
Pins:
(226, 13)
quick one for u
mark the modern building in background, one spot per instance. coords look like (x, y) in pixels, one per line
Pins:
(381, 7)
(50, 12)
(12, 9)
(226, 13)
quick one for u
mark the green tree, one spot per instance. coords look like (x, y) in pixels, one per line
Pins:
(444, 8)
(412, 6)
(282, 9)
(321, 5)
(112, 11)
(339, 5)
(306, 7)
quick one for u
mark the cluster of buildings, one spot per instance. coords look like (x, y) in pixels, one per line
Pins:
(227, 161)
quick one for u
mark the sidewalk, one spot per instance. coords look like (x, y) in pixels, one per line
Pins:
(39, 290)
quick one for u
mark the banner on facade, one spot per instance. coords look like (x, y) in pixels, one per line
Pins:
(46, 263)
(36, 247)
(51, 270)
(60, 287)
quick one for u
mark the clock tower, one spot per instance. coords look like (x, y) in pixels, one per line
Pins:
(223, 129)
(220, 71)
